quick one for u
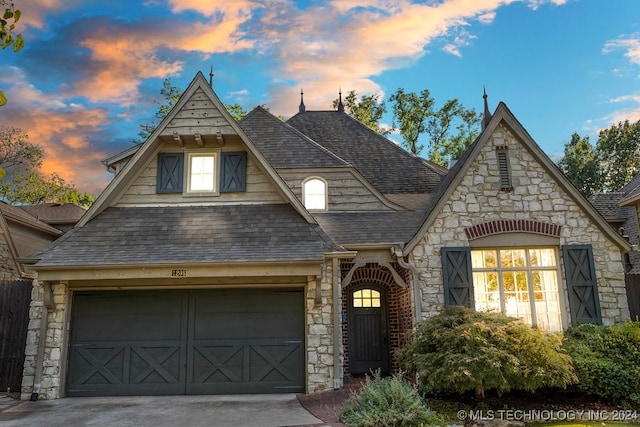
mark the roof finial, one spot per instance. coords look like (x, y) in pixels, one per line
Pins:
(301, 108)
(340, 105)
(211, 77)
(486, 116)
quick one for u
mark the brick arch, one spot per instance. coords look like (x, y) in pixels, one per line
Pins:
(399, 308)
(512, 225)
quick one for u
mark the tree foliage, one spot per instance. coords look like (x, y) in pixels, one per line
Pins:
(463, 350)
(580, 163)
(369, 110)
(619, 153)
(8, 36)
(236, 111)
(23, 182)
(608, 166)
(410, 114)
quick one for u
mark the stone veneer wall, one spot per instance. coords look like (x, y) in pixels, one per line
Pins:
(54, 338)
(535, 196)
(321, 374)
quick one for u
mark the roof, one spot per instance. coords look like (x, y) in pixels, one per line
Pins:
(56, 213)
(19, 215)
(363, 148)
(362, 228)
(283, 145)
(190, 234)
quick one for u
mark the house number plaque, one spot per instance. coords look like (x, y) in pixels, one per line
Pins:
(179, 272)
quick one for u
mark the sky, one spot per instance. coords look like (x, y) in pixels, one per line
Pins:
(91, 71)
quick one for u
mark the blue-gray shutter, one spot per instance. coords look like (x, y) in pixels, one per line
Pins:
(580, 273)
(170, 172)
(233, 174)
(457, 276)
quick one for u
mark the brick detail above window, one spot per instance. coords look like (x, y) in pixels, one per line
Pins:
(512, 225)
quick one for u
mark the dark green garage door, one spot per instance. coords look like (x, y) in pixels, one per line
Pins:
(186, 342)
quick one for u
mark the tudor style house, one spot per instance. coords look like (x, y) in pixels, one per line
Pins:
(264, 256)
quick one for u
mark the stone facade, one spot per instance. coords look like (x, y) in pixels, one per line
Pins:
(535, 196)
(51, 352)
(321, 373)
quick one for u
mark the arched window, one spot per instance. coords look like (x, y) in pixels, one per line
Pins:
(314, 194)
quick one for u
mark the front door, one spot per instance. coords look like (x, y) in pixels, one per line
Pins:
(368, 331)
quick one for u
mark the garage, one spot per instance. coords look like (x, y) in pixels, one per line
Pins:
(174, 342)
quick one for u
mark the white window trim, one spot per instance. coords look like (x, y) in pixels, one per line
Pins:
(326, 193)
(216, 173)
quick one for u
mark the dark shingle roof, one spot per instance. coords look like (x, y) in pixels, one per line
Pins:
(353, 228)
(608, 204)
(156, 235)
(386, 165)
(56, 213)
(284, 146)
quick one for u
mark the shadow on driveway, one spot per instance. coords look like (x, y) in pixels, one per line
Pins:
(264, 410)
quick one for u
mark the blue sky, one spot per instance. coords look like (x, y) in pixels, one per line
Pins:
(91, 71)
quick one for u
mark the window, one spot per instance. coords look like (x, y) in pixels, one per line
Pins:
(366, 298)
(314, 194)
(202, 173)
(519, 282)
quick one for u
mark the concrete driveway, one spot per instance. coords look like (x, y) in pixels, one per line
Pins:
(262, 410)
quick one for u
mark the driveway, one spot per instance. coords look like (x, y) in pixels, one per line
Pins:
(275, 410)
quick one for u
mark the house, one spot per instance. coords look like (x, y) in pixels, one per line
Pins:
(264, 256)
(620, 209)
(63, 216)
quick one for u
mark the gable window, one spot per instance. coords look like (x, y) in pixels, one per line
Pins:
(314, 194)
(504, 169)
(518, 282)
(201, 173)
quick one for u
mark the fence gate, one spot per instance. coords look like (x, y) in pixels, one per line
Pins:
(15, 298)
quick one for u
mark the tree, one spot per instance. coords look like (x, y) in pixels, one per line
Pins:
(410, 113)
(236, 111)
(8, 37)
(618, 150)
(414, 115)
(23, 182)
(581, 165)
(368, 110)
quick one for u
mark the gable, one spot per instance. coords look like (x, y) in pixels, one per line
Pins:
(539, 189)
(204, 132)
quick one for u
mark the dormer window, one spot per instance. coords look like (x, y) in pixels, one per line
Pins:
(201, 173)
(314, 194)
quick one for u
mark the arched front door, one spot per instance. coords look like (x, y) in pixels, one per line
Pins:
(368, 330)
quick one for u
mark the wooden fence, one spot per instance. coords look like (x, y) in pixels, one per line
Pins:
(15, 298)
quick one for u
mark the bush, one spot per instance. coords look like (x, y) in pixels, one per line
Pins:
(607, 360)
(388, 401)
(462, 350)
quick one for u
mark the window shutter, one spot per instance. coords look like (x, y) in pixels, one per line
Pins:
(503, 170)
(233, 171)
(170, 172)
(580, 273)
(457, 276)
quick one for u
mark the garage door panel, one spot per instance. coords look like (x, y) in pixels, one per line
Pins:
(194, 342)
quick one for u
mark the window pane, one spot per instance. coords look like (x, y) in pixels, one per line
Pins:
(202, 173)
(315, 194)
(366, 298)
(518, 282)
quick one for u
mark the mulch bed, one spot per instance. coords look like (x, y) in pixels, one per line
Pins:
(327, 405)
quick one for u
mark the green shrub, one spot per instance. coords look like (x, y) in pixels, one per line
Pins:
(388, 401)
(607, 360)
(463, 350)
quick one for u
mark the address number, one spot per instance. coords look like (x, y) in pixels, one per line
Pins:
(179, 272)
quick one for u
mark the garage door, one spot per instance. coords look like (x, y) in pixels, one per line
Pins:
(186, 342)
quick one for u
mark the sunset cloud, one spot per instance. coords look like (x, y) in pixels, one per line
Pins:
(62, 130)
(629, 44)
